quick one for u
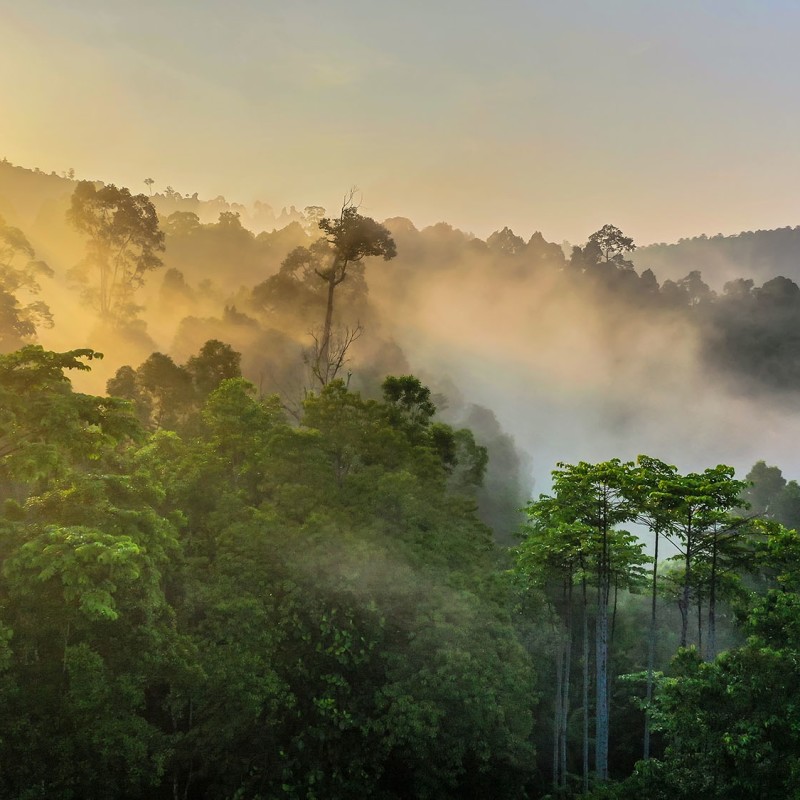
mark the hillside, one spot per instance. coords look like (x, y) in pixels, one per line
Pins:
(760, 255)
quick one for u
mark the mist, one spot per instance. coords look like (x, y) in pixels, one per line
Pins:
(580, 375)
(569, 369)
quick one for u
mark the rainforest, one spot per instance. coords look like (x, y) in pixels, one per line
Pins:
(310, 505)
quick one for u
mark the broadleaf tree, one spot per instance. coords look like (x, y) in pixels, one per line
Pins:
(124, 242)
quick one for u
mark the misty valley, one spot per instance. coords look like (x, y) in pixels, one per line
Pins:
(301, 504)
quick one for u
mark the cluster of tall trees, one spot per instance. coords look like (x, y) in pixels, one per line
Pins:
(578, 557)
(730, 726)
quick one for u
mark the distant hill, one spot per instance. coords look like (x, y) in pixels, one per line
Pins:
(35, 201)
(27, 193)
(760, 255)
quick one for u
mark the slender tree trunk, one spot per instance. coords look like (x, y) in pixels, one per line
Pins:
(687, 576)
(104, 265)
(566, 686)
(585, 688)
(323, 357)
(557, 700)
(712, 602)
(601, 660)
(614, 609)
(651, 653)
(700, 624)
(601, 691)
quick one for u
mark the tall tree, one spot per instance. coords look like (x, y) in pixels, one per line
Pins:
(650, 488)
(699, 506)
(597, 498)
(19, 273)
(351, 237)
(598, 495)
(166, 394)
(124, 242)
(765, 486)
(610, 245)
(732, 725)
(552, 557)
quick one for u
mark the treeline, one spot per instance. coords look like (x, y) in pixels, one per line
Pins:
(220, 279)
(760, 255)
(25, 194)
(747, 334)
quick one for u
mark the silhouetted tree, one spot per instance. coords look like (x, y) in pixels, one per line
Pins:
(351, 237)
(124, 239)
(19, 273)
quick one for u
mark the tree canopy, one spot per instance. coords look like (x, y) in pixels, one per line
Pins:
(124, 242)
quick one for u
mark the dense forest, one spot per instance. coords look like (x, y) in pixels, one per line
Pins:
(257, 542)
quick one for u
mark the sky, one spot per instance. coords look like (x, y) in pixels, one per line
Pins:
(665, 119)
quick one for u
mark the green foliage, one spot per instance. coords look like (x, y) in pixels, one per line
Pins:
(327, 553)
(770, 495)
(215, 363)
(167, 395)
(732, 725)
(44, 426)
(248, 607)
(409, 397)
(354, 236)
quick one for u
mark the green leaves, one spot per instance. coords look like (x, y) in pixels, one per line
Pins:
(45, 427)
(88, 563)
(733, 725)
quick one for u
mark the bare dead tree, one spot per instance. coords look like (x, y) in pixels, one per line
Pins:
(328, 354)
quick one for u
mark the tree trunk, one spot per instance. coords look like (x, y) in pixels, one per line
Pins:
(601, 654)
(104, 265)
(686, 597)
(585, 689)
(565, 686)
(323, 357)
(614, 609)
(700, 624)
(601, 692)
(601, 679)
(557, 700)
(651, 654)
(712, 602)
